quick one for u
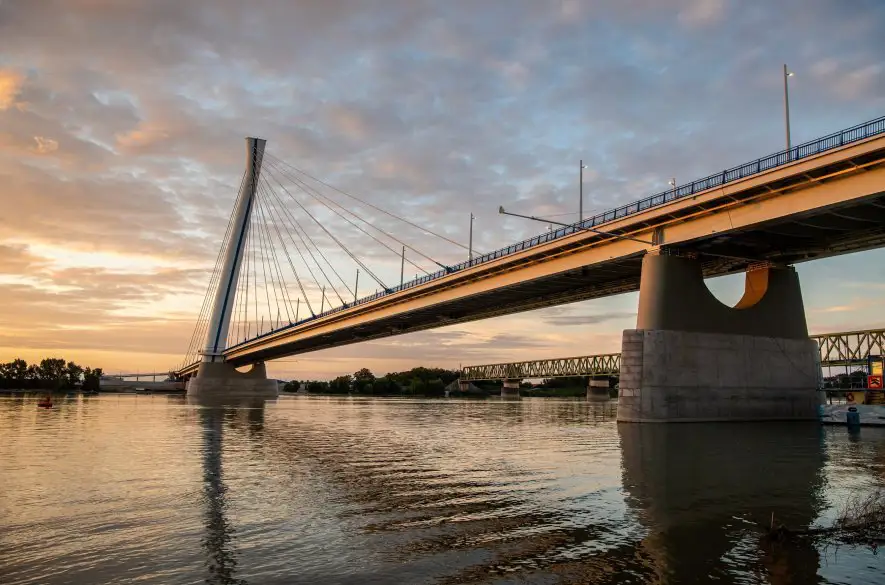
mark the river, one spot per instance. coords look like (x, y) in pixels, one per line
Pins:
(150, 489)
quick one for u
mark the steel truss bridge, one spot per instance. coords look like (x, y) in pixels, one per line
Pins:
(849, 348)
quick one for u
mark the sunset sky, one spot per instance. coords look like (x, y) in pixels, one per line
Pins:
(122, 125)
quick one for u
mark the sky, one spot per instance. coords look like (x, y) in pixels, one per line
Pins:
(122, 126)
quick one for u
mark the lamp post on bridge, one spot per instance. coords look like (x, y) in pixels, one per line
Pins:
(470, 240)
(581, 190)
(787, 75)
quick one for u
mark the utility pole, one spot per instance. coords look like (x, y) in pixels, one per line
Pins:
(357, 285)
(402, 268)
(470, 241)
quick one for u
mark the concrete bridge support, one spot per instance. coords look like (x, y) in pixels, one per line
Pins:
(510, 389)
(597, 390)
(691, 358)
(218, 379)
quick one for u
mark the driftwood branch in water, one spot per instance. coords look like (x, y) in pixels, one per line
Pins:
(861, 522)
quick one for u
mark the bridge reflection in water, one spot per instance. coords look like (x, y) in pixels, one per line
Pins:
(700, 489)
(688, 504)
(219, 544)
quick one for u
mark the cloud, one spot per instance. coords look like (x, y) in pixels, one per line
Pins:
(578, 320)
(45, 145)
(10, 85)
(122, 126)
(703, 12)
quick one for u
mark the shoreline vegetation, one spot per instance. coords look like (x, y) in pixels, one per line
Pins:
(51, 374)
(430, 382)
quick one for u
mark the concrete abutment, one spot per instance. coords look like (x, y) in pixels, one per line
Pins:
(691, 358)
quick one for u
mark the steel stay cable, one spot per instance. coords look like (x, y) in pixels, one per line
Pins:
(193, 345)
(281, 280)
(264, 261)
(337, 241)
(254, 273)
(345, 193)
(320, 251)
(291, 264)
(299, 229)
(285, 215)
(319, 197)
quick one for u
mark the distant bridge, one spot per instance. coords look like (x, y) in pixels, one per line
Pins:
(849, 348)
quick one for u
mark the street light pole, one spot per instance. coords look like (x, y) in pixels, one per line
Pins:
(787, 75)
(402, 267)
(581, 191)
(356, 285)
(470, 240)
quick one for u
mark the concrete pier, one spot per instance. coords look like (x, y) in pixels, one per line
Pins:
(510, 389)
(691, 358)
(222, 379)
(597, 390)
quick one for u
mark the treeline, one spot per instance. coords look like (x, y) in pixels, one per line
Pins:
(49, 374)
(856, 379)
(414, 382)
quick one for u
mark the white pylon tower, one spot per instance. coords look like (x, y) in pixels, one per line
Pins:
(216, 338)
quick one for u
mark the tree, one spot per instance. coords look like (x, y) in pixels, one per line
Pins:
(363, 381)
(91, 379)
(385, 386)
(341, 384)
(316, 387)
(292, 386)
(72, 375)
(14, 374)
(52, 373)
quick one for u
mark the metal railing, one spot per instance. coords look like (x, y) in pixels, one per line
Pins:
(760, 165)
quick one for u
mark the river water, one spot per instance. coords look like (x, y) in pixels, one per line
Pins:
(150, 489)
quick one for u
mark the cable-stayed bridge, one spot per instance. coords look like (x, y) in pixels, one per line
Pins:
(282, 281)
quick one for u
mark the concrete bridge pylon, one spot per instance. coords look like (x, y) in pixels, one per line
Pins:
(214, 376)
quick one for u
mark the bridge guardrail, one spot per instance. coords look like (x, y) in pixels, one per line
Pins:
(760, 165)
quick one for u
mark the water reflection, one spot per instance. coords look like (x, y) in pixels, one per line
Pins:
(219, 543)
(704, 492)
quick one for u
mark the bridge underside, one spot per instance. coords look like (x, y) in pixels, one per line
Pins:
(855, 226)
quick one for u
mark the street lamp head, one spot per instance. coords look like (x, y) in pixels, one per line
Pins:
(500, 209)
(789, 74)
(584, 166)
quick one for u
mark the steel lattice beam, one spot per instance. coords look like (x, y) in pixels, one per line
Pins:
(851, 348)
